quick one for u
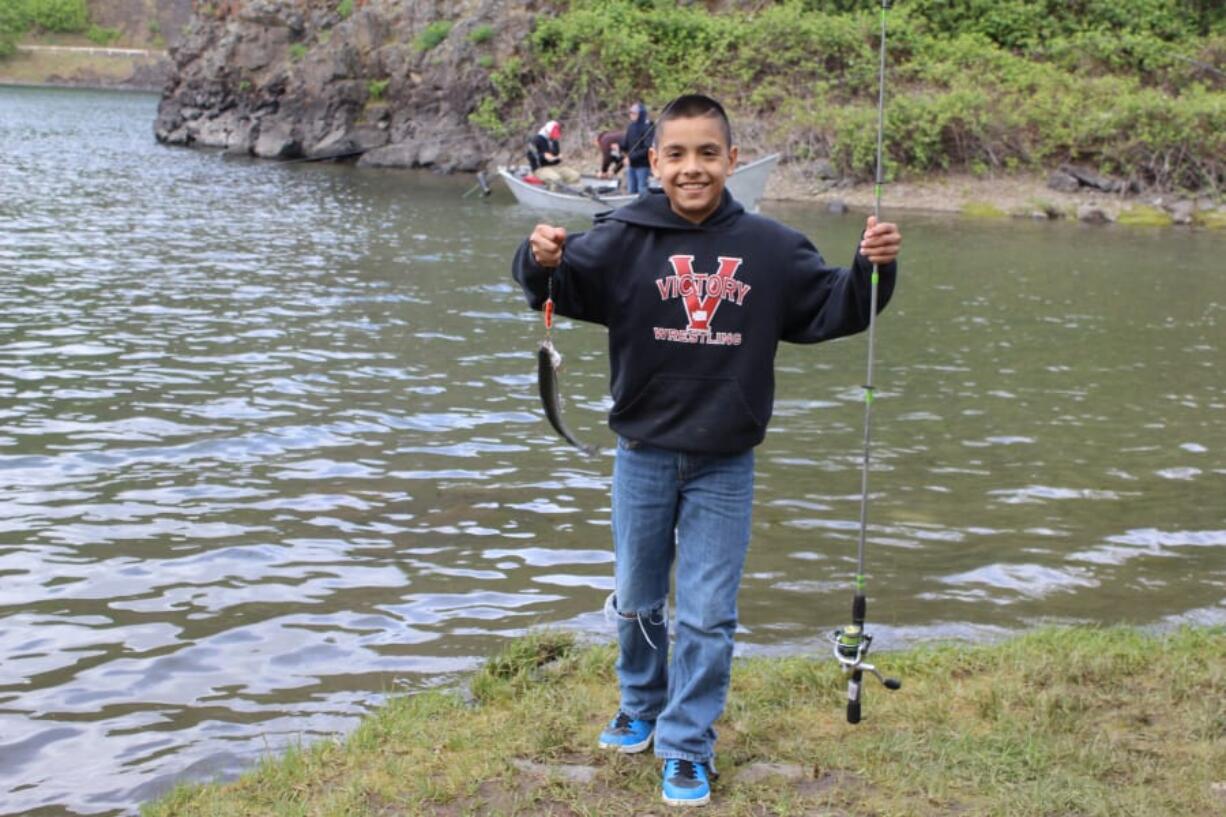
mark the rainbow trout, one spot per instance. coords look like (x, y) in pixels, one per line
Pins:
(548, 360)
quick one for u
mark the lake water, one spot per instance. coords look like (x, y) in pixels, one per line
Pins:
(270, 448)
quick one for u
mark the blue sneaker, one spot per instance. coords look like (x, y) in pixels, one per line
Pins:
(685, 783)
(627, 734)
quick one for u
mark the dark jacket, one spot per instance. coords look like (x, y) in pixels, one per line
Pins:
(695, 314)
(638, 140)
(538, 146)
(609, 141)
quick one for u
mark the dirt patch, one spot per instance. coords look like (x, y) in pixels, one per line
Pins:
(86, 68)
(1013, 195)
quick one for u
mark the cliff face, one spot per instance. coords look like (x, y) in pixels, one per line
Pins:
(143, 21)
(298, 78)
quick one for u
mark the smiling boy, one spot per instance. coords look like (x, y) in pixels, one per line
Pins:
(696, 295)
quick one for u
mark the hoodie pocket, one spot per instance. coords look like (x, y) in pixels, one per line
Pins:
(689, 413)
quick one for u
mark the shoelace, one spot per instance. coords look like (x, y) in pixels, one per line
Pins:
(686, 770)
(623, 721)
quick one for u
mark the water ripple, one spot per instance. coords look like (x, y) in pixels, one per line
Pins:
(271, 445)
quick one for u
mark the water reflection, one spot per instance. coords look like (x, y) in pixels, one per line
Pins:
(270, 447)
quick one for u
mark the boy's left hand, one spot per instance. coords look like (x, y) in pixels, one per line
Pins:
(881, 242)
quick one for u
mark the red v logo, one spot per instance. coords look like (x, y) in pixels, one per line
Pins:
(703, 293)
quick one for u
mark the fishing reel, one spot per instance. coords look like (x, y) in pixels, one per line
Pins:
(851, 645)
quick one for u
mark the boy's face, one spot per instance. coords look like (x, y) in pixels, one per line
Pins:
(692, 162)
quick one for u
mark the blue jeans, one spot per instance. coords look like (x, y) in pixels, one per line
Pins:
(694, 509)
(636, 179)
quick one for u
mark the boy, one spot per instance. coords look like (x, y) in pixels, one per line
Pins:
(696, 294)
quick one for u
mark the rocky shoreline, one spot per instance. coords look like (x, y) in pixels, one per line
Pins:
(1020, 196)
(282, 80)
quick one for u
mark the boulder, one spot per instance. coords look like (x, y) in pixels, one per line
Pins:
(1092, 214)
(1183, 211)
(276, 140)
(220, 130)
(348, 142)
(400, 154)
(1063, 182)
(262, 48)
(1090, 178)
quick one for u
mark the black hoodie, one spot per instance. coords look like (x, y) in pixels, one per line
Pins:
(695, 313)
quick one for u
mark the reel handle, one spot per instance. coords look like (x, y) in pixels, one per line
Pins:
(853, 697)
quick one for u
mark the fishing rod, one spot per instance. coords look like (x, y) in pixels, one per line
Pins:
(851, 643)
(482, 184)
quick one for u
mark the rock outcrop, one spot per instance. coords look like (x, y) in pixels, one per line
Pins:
(302, 78)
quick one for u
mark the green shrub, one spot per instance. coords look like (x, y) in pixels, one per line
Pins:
(432, 35)
(345, 9)
(297, 51)
(68, 16)
(481, 34)
(487, 117)
(11, 27)
(1132, 86)
(486, 61)
(102, 36)
(375, 88)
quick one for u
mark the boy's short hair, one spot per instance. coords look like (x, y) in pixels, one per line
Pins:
(692, 106)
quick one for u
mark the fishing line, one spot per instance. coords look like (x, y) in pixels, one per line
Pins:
(851, 643)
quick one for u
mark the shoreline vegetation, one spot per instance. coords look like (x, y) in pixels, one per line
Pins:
(1099, 110)
(103, 44)
(1134, 90)
(1067, 721)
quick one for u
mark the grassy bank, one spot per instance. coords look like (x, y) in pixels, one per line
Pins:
(86, 67)
(1058, 722)
(1136, 88)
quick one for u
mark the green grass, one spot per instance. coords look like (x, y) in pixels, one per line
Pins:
(481, 34)
(1143, 216)
(1213, 219)
(1057, 722)
(980, 209)
(375, 88)
(35, 67)
(100, 35)
(432, 35)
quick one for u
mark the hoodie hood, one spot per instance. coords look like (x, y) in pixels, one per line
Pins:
(653, 210)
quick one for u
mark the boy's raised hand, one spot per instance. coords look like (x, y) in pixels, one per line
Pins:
(881, 242)
(547, 242)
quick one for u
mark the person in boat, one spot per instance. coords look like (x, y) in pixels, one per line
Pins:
(611, 158)
(637, 146)
(545, 157)
(696, 295)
